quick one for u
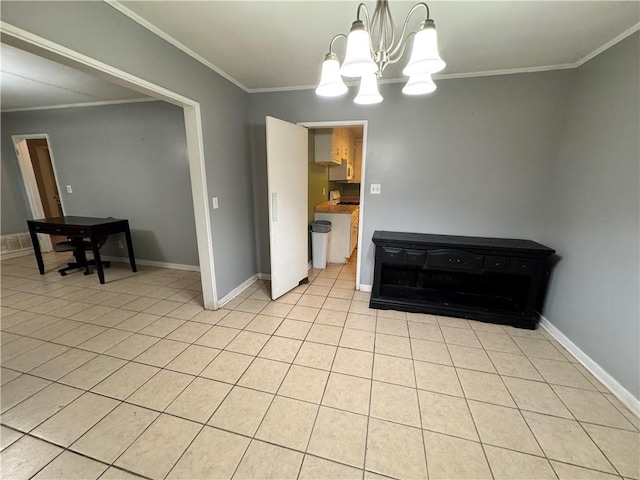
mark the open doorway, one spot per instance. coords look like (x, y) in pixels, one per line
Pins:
(23, 40)
(337, 157)
(40, 181)
(293, 151)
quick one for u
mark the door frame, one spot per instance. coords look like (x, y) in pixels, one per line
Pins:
(29, 179)
(43, 47)
(365, 125)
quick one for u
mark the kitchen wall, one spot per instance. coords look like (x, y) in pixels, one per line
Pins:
(348, 189)
(122, 161)
(474, 158)
(89, 28)
(594, 221)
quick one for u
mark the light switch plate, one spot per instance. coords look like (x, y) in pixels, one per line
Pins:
(375, 189)
(214, 200)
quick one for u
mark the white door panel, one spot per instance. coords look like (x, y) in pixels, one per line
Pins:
(287, 177)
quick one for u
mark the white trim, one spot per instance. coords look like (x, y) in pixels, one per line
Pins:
(264, 276)
(510, 71)
(168, 38)
(16, 253)
(23, 39)
(29, 180)
(608, 45)
(542, 68)
(152, 263)
(78, 105)
(365, 288)
(365, 126)
(26, 40)
(444, 76)
(236, 291)
(600, 373)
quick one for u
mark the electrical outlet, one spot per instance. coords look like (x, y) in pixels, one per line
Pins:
(69, 190)
(324, 191)
(375, 189)
(214, 200)
(120, 245)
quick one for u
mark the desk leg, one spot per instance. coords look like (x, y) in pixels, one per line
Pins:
(36, 249)
(96, 257)
(132, 258)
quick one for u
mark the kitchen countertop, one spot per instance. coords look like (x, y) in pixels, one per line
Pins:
(328, 207)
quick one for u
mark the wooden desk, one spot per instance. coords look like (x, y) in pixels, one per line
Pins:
(84, 227)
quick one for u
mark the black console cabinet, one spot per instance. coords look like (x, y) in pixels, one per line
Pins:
(488, 279)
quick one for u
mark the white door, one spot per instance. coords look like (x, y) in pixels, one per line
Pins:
(287, 177)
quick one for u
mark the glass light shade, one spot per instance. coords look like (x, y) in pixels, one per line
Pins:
(419, 85)
(424, 54)
(331, 84)
(368, 93)
(357, 60)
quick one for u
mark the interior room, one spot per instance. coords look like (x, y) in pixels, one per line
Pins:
(477, 315)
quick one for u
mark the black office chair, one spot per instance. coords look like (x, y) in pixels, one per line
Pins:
(79, 246)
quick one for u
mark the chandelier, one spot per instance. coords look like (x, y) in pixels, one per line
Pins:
(372, 46)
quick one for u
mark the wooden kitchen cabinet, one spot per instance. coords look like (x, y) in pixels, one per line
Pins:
(345, 171)
(330, 146)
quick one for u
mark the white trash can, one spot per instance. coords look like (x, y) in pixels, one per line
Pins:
(320, 238)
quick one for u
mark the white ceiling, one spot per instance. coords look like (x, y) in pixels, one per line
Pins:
(267, 45)
(279, 45)
(30, 81)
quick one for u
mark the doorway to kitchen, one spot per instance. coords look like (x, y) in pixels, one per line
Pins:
(337, 159)
(40, 182)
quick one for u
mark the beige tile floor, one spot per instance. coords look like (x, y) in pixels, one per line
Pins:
(133, 378)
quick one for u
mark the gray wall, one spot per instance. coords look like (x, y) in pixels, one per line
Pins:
(101, 32)
(594, 222)
(474, 158)
(13, 197)
(123, 161)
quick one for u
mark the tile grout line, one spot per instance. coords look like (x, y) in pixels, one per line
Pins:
(415, 379)
(466, 400)
(253, 436)
(315, 420)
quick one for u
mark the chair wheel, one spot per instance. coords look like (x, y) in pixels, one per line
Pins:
(64, 274)
(86, 273)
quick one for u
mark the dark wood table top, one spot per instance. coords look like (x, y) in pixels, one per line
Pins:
(76, 221)
(452, 241)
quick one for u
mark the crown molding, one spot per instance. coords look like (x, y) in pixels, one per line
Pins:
(79, 105)
(543, 68)
(608, 45)
(165, 36)
(450, 76)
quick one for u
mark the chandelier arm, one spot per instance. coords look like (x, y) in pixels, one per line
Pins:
(403, 41)
(386, 27)
(340, 35)
(364, 8)
(404, 44)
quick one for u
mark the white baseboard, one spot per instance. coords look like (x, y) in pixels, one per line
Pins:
(264, 276)
(16, 253)
(600, 373)
(234, 293)
(152, 263)
(365, 288)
